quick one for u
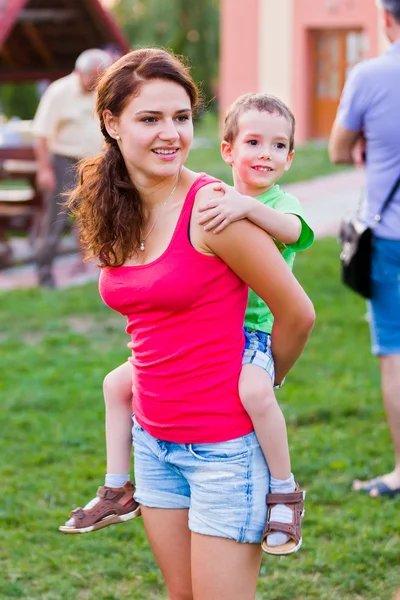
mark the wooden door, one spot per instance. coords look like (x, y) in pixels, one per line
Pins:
(334, 53)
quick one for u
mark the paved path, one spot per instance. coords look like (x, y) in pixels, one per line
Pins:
(325, 200)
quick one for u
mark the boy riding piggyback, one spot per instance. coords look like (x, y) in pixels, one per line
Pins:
(259, 146)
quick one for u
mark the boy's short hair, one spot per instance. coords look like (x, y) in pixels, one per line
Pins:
(261, 102)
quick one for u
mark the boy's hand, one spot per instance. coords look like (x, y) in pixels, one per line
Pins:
(217, 213)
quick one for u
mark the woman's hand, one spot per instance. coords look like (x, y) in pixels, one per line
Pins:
(218, 212)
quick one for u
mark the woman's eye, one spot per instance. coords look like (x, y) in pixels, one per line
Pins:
(252, 142)
(182, 118)
(149, 120)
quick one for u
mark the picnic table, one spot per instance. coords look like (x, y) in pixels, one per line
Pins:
(21, 201)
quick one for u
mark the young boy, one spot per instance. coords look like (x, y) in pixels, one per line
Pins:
(259, 145)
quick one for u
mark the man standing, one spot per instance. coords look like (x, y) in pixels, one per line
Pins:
(368, 125)
(66, 131)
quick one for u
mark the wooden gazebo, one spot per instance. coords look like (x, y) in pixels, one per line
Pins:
(41, 39)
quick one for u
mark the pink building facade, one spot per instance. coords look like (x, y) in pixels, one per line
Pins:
(299, 50)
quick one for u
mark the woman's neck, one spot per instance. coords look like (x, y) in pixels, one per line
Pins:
(154, 192)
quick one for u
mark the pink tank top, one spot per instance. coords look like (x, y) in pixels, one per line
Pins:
(185, 314)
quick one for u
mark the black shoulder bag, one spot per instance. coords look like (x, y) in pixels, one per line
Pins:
(356, 256)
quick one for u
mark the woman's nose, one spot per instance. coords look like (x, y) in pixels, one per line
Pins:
(169, 131)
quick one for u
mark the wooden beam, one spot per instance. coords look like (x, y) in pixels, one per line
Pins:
(16, 44)
(9, 18)
(54, 15)
(107, 26)
(6, 55)
(21, 75)
(35, 39)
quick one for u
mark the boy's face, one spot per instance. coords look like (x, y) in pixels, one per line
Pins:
(259, 155)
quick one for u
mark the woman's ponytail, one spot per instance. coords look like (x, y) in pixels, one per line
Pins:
(107, 208)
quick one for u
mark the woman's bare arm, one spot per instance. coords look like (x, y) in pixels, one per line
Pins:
(253, 256)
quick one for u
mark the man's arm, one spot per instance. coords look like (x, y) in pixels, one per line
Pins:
(45, 174)
(341, 144)
(350, 119)
(44, 126)
(359, 151)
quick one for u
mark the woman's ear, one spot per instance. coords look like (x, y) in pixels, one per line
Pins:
(111, 123)
(226, 152)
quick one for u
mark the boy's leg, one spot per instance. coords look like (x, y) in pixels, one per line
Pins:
(114, 502)
(117, 388)
(258, 398)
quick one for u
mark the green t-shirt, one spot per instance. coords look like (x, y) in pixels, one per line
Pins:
(258, 316)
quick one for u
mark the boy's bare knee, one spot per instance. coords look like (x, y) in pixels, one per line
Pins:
(117, 386)
(110, 384)
(257, 397)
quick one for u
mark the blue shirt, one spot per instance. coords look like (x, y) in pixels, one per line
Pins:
(371, 102)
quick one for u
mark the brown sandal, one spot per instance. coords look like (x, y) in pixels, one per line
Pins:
(294, 501)
(115, 506)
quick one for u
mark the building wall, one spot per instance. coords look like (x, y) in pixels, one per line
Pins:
(325, 14)
(276, 58)
(239, 53)
(266, 46)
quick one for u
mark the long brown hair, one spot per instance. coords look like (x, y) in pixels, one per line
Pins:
(106, 204)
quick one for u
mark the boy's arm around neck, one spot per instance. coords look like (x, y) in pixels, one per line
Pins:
(283, 227)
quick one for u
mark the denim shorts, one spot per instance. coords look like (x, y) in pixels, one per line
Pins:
(222, 484)
(257, 351)
(384, 306)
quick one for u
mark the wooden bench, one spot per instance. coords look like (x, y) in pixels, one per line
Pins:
(21, 206)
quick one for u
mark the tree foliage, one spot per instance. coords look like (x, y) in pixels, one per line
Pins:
(188, 27)
(18, 100)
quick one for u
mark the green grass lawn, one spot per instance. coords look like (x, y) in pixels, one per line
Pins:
(55, 349)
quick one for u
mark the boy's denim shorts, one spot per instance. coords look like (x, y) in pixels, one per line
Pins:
(257, 351)
(384, 306)
(223, 485)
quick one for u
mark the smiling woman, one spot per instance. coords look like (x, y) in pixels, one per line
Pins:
(168, 134)
(201, 477)
(140, 138)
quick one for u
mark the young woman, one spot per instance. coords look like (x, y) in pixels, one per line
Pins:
(201, 478)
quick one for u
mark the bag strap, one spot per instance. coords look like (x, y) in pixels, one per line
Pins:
(388, 200)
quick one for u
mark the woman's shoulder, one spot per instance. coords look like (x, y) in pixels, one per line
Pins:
(201, 185)
(194, 176)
